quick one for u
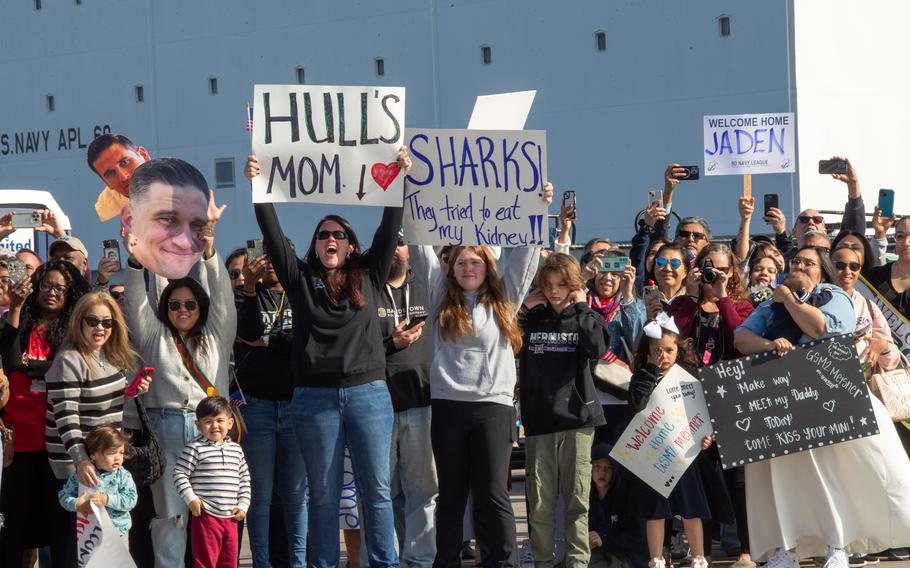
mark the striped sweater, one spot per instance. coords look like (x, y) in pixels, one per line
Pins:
(78, 399)
(215, 473)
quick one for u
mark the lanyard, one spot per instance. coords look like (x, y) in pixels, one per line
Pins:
(198, 375)
(407, 302)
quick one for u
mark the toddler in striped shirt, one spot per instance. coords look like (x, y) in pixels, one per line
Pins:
(212, 477)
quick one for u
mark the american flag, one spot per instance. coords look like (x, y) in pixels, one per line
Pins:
(609, 357)
(249, 118)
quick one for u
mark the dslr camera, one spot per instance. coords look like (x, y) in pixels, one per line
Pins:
(708, 274)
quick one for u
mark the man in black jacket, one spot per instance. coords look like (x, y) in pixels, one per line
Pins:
(262, 356)
(402, 309)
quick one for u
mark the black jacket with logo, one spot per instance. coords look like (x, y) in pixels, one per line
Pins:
(406, 369)
(264, 372)
(556, 388)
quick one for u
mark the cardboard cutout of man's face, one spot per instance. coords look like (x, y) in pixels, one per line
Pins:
(167, 223)
(116, 164)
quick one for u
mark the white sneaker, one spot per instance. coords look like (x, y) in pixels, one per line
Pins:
(657, 563)
(837, 558)
(783, 559)
(699, 562)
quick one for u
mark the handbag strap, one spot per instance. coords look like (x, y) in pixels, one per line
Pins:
(144, 421)
(194, 371)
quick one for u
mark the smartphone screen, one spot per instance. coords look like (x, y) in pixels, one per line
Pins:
(568, 202)
(111, 251)
(886, 202)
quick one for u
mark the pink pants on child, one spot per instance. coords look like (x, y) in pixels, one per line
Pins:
(214, 541)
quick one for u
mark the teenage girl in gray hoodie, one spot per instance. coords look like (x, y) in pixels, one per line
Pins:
(474, 338)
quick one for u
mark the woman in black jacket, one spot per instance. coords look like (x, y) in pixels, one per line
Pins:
(341, 398)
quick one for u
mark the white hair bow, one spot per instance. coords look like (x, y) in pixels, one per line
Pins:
(661, 321)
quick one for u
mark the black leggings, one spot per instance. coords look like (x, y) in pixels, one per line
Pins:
(33, 517)
(472, 443)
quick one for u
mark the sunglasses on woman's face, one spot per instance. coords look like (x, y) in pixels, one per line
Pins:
(673, 262)
(93, 321)
(116, 295)
(339, 235)
(841, 265)
(234, 273)
(174, 305)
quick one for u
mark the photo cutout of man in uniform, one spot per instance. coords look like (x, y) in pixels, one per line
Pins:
(166, 216)
(114, 158)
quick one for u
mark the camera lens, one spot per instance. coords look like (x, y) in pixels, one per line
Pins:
(708, 275)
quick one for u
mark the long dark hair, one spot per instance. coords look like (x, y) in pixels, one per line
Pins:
(867, 248)
(76, 286)
(345, 281)
(685, 355)
(195, 337)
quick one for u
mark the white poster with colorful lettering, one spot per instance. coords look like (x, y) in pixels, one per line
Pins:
(738, 144)
(329, 145)
(476, 187)
(98, 542)
(662, 440)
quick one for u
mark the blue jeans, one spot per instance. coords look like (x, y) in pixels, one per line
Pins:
(414, 487)
(174, 429)
(275, 462)
(327, 419)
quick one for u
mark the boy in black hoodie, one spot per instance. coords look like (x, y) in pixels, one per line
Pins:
(559, 407)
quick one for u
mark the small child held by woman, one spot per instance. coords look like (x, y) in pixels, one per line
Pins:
(116, 491)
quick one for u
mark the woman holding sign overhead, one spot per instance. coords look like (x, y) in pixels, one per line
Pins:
(474, 338)
(341, 399)
(848, 497)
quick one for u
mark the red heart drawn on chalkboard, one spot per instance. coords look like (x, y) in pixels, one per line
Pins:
(385, 174)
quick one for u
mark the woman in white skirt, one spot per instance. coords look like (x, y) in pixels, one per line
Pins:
(848, 497)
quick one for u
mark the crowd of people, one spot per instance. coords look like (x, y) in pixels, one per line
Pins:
(263, 389)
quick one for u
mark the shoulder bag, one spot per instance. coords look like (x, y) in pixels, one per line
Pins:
(145, 458)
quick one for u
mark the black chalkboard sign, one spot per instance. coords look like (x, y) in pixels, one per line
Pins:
(765, 406)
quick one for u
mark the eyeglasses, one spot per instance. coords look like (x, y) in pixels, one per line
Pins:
(817, 219)
(694, 235)
(662, 261)
(799, 261)
(339, 235)
(57, 288)
(116, 295)
(93, 321)
(724, 269)
(234, 273)
(174, 305)
(841, 265)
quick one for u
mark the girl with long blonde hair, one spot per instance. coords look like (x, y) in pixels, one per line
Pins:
(474, 339)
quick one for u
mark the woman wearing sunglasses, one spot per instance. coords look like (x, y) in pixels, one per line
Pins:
(341, 398)
(36, 326)
(873, 336)
(188, 339)
(670, 270)
(86, 382)
(826, 500)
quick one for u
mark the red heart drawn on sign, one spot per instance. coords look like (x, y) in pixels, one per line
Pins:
(385, 174)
